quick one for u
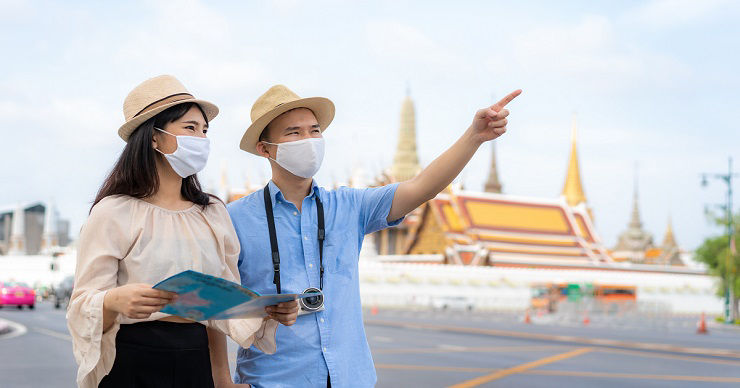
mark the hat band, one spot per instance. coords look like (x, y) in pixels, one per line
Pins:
(164, 101)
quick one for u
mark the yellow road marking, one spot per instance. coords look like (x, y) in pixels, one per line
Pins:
(435, 368)
(564, 373)
(713, 379)
(635, 376)
(471, 349)
(601, 342)
(669, 356)
(521, 368)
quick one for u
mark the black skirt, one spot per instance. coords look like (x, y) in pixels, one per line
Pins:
(160, 354)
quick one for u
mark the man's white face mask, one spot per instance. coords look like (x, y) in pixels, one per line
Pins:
(301, 157)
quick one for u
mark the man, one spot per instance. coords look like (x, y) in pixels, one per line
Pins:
(317, 234)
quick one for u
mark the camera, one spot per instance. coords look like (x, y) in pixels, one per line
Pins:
(311, 304)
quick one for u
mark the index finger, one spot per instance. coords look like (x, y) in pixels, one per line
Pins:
(288, 304)
(155, 293)
(507, 99)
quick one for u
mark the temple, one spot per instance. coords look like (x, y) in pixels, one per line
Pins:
(490, 228)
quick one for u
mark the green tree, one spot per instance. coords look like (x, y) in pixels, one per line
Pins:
(715, 252)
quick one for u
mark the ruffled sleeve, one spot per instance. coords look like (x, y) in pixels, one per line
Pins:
(245, 331)
(103, 241)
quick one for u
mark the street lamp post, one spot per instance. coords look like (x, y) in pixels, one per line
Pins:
(729, 278)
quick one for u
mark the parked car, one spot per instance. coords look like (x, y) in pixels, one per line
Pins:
(17, 294)
(452, 303)
(62, 292)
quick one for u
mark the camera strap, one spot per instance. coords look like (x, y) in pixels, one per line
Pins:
(321, 234)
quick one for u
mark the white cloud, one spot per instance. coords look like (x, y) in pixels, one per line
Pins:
(396, 41)
(671, 13)
(588, 52)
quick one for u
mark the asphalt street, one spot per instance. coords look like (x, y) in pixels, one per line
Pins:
(439, 349)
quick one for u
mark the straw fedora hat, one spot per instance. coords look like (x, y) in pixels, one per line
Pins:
(276, 101)
(153, 96)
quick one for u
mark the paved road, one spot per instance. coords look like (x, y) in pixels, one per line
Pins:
(467, 350)
(424, 349)
(42, 357)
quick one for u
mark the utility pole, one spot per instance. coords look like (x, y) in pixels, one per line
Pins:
(729, 272)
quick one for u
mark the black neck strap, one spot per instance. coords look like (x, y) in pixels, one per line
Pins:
(321, 234)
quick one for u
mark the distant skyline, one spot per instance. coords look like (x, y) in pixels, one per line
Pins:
(652, 82)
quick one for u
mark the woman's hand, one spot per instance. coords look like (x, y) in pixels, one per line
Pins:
(137, 301)
(229, 384)
(285, 312)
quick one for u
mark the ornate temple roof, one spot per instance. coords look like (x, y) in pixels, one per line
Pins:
(513, 229)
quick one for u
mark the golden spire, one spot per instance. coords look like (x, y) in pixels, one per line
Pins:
(573, 190)
(493, 185)
(406, 162)
(669, 241)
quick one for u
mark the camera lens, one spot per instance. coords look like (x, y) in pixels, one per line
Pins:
(312, 303)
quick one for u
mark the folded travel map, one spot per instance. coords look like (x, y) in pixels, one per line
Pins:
(201, 297)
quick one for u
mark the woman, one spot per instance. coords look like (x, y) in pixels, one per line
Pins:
(151, 220)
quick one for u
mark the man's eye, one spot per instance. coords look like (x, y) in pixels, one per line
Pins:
(205, 131)
(316, 130)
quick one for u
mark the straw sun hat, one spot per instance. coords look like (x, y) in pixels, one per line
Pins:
(276, 101)
(153, 96)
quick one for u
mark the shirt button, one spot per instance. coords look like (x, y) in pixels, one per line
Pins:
(305, 238)
(310, 266)
(322, 320)
(324, 348)
(295, 213)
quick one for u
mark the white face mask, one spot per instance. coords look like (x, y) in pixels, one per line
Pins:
(301, 157)
(191, 154)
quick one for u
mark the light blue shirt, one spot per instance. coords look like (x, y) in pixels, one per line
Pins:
(330, 342)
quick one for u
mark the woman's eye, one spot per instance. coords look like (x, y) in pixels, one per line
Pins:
(190, 127)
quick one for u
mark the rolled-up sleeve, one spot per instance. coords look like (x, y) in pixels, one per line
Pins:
(103, 241)
(375, 203)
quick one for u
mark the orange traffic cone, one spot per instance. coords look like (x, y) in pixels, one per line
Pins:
(374, 310)
(586, 320)
(701, 326)
(527, 318)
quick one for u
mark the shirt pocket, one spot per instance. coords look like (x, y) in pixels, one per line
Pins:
(339, 253)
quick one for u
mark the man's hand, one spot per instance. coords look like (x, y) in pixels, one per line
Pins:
(490, 123)
(285, 312)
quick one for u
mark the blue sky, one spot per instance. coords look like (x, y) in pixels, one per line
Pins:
(653, 82)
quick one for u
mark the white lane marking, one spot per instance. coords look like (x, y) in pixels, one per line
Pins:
(16, 329)
(452, 347)
(53, 333)
(382, 339)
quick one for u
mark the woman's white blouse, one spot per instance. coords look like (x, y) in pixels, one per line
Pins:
(126, 240)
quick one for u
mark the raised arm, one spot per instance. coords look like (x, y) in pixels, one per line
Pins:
(488, 124)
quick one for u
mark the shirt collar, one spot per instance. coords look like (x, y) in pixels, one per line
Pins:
(276, 194)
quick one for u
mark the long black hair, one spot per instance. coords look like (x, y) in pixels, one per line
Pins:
(135, 172)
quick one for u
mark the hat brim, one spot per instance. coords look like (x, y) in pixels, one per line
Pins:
(210, 109)
(321, 107)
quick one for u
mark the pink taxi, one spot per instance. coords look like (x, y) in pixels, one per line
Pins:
(16, 294)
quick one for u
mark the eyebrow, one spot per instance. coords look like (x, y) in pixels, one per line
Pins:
(195, 123)
(296, 128)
